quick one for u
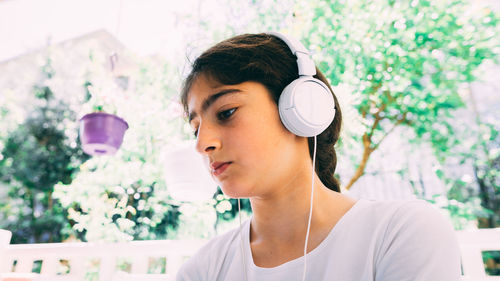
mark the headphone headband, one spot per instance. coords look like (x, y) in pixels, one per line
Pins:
(304, 62)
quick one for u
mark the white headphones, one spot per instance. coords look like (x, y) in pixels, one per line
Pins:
(306, 105)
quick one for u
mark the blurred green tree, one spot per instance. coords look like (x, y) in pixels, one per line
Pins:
(38, 154)
(124, 196)
(404, 62)
(487, 174)
(483, 155)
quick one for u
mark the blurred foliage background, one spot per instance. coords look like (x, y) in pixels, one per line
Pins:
(403, 70)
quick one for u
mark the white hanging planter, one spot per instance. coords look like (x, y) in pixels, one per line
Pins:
(186, 176)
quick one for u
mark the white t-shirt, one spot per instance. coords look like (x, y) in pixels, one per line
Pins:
(374, 240)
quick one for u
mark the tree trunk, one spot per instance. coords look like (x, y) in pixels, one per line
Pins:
(484, 195)
(369, 146)
(49, 199)
(362, 165)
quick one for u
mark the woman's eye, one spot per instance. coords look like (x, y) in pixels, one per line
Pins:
(195, 133)
(226, 114)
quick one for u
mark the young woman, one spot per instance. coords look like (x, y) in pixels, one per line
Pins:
(231, 97)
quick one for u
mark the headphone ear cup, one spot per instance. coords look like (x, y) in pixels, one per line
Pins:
(306, 107)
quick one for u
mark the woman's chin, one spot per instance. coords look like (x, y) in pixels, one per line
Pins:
(234, 192)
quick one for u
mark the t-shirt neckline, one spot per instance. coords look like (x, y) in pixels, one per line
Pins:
(298, 261)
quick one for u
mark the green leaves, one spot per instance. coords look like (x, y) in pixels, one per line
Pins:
(404, 58)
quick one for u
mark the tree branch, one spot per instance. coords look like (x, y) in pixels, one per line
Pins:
(403, 118)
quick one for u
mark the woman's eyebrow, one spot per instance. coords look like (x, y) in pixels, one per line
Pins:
(211, 99)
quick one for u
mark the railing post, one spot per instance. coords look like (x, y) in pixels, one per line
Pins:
(174, 262)
(140, 265)
(77, 267)
(107, 268)
(5, 237)
(49, 265)
(472, 261)
(24, 265)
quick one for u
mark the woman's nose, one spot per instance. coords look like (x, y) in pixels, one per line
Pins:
(208, 139)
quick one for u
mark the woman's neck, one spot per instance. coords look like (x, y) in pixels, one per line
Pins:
(283, 214)
(279, 223)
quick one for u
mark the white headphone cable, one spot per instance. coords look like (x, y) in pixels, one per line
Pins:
(310, 212)
(242, 245)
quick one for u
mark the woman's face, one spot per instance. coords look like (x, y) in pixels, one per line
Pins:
(240, 135)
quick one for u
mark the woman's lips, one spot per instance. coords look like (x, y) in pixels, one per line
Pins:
(219, 168)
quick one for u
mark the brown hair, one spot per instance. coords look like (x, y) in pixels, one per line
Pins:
(266, 59)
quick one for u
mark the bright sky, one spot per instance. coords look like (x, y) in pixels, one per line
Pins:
(145, 27)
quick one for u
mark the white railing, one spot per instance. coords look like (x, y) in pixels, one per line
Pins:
(17, 261)
(472, 244)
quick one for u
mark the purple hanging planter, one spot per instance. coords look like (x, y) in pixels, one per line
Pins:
(101, 133)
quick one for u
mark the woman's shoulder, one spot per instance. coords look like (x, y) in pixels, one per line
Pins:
(415, 238)
(398, 211)
(210, 257)
(403, 217)
(417, 220)
(374, 221)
